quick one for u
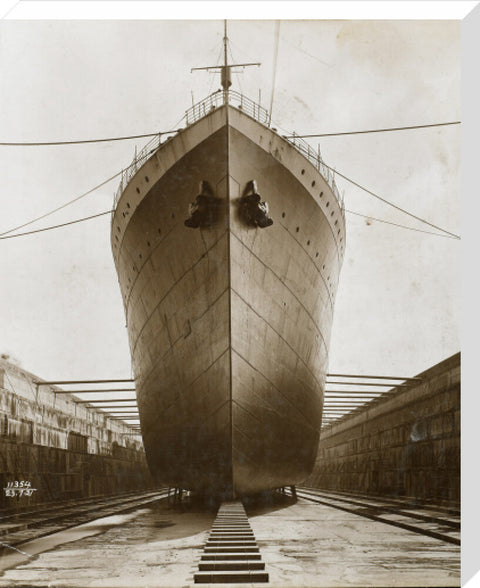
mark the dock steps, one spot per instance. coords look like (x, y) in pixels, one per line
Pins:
(231, 554)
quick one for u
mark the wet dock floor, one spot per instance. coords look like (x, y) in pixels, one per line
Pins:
(302, 544)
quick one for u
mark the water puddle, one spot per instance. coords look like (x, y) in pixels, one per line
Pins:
(27, 551)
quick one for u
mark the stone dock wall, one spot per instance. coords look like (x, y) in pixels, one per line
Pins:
(63, 449)
(406, 444)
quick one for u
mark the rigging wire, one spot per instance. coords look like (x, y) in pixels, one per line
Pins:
(112, 211)
(212, 81)
(422, 220)
(237, 73)
(79, 220)
(457, 122)
(63, 205)
(287, 136)
(275, 59)
(82, 141)
(241, 50)
(452, 235)
(398, 225)
(298, 48)
(30, 222)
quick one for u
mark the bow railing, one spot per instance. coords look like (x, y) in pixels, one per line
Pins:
(244, 104)
(221, 97)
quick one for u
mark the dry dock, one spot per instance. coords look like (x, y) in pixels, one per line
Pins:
(302, 544)
(380, 509)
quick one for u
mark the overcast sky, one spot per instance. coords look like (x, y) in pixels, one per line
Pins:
(397, 308)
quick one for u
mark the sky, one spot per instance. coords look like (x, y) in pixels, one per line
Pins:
(397, 307)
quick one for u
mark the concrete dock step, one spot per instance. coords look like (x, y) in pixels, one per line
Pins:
(231, 534)
(231, 554)
(230, 577)
(230, 549)
(229, 564)
(230, 543)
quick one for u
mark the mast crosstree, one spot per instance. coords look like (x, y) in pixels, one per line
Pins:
(225, 70)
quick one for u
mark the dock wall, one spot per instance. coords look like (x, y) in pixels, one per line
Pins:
(65, 450)
(406, 444)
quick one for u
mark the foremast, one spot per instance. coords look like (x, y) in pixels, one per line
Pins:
(225, 70)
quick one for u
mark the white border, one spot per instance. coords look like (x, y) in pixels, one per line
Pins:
(235, 9)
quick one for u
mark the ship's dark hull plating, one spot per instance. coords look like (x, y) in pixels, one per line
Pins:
(229, 325)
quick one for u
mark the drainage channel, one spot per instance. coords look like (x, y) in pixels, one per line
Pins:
(231, 553)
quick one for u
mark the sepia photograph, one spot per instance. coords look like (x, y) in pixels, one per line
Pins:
(230, 248)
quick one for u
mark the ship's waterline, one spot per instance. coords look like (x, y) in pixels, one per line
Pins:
(229, 325)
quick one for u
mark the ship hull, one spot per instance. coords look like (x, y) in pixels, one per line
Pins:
(229, 325)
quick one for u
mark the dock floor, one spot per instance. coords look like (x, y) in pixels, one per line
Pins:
(302, 544)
